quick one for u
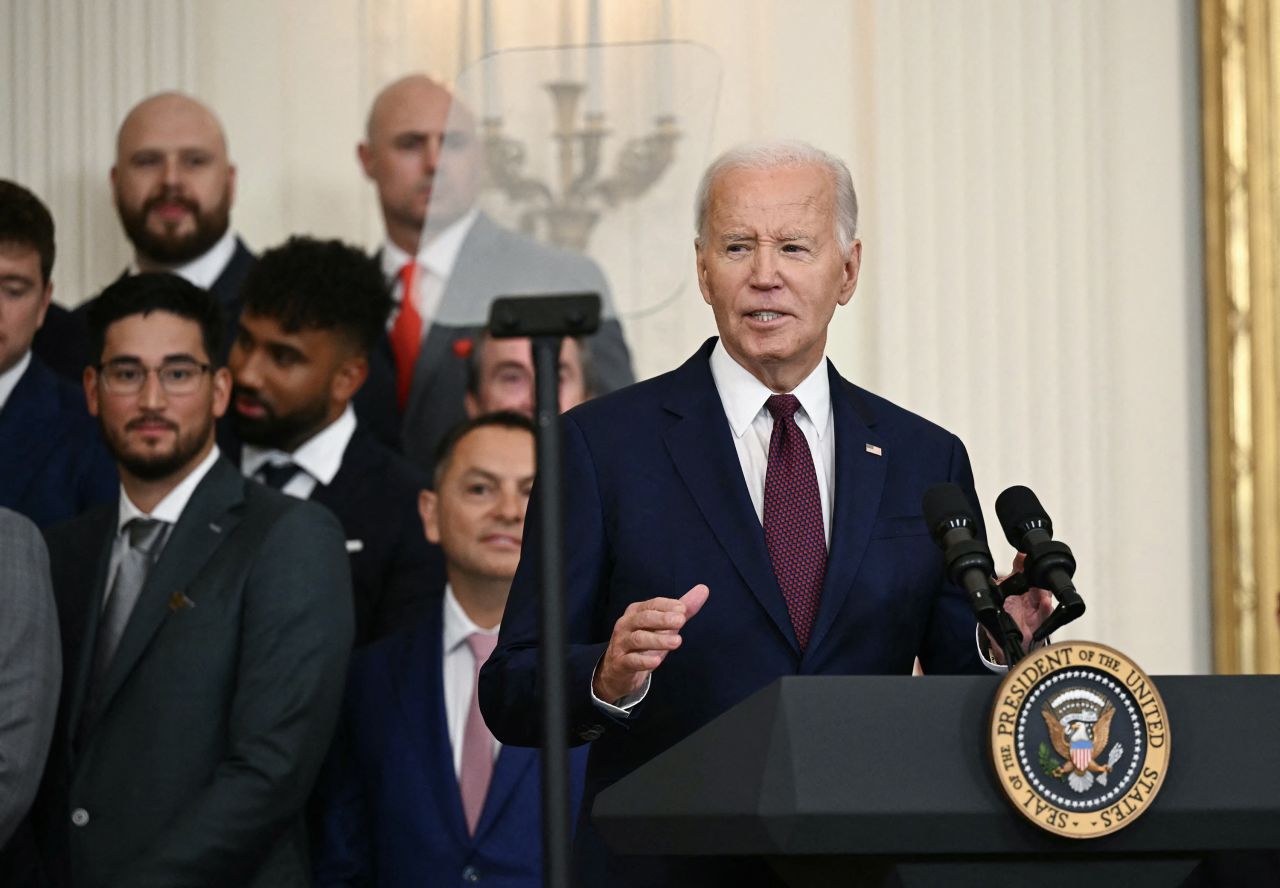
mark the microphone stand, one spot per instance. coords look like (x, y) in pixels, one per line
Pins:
(546, 320)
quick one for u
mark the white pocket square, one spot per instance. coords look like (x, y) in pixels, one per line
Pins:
(355, 546)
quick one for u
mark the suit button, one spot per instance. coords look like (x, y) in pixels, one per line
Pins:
(79, 816)
(470, 874)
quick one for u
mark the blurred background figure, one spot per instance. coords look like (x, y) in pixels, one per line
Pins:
(500, 375)
(423, 155)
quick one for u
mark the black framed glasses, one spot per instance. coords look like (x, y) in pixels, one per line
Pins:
(124, 376)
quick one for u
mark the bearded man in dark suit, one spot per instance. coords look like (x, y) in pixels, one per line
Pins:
(206, 623)
(312, 312)
(173, 184)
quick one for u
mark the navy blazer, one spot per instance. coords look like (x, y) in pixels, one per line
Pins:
(396, 573)
(55, 464)
(393, 814)
(655, 504)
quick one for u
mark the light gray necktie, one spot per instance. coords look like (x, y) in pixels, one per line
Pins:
(135, 563)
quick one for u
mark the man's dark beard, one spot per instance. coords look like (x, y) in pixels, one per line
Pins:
(159, 467)
(211, 225)
(284, 433)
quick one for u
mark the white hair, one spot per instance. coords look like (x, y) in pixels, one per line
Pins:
(785, 153)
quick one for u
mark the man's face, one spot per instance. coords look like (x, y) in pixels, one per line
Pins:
(415, 161)
(288, 386)
(172, 182)
(153, 434)
(506, 377)
(24, 299)
(477, 513)
(771, 270)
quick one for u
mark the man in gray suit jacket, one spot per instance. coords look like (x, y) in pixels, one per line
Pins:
(30, 666)
(206, 622)
(453, 260)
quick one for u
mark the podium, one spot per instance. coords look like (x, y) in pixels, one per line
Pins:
(886, 780)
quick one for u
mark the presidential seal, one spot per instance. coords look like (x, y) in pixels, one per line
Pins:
(1079, 739)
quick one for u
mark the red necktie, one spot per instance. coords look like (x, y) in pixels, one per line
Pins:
(477, 742)
(793, 528)
(406, 333)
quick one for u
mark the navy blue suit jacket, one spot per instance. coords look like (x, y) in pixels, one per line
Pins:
(655, 504)
(393, 815)
(55, 465)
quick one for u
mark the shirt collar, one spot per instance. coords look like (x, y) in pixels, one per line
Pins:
(170, 508)
(743, 396)
(320, 456)
(9, 378)
(205, 268)
(457, 625)
(437, 255)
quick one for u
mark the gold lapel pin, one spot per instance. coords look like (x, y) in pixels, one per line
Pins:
(180, 601)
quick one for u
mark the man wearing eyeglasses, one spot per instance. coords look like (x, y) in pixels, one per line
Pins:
(205, 621)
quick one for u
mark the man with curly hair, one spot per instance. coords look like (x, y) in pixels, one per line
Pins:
(311, 312)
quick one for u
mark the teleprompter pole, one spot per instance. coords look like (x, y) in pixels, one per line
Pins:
(547, 320)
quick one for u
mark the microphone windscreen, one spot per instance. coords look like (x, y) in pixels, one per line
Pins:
(1020, 511)
(945, 506)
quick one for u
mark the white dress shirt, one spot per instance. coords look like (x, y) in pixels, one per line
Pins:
(436, 260)
(9, 378)
(743, 397)
(459, 674)
(168, 510)
(319, 457)
(205, 268)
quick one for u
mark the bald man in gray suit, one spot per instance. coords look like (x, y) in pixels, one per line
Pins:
(30, 666)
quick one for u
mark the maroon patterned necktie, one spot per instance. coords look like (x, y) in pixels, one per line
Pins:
(793, 528)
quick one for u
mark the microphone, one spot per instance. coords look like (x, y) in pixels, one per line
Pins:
(969, 565)
(1049, 563)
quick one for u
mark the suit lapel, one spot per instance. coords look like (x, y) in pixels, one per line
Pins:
(419, 684)
(508, 771)
(206, 522)
(701, 447)
(87, 612)
(860, 479)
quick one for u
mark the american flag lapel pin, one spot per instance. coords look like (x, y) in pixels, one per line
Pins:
(874, 450)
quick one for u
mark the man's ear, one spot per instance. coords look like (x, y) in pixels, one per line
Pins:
(45, 298)
(221, 391)
(91, 389)
(702, 270)
(351, 374)
(428, 509)
(365, 156)
(852, 265)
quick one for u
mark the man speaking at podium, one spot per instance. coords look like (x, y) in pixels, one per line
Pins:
(746, 516)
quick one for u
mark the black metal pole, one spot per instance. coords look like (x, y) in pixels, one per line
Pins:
(551, 650)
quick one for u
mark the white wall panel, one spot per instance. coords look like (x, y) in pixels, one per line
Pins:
(1030, 211)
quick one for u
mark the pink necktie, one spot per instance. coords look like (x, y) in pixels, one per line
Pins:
(793, 530)
(477, 742)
